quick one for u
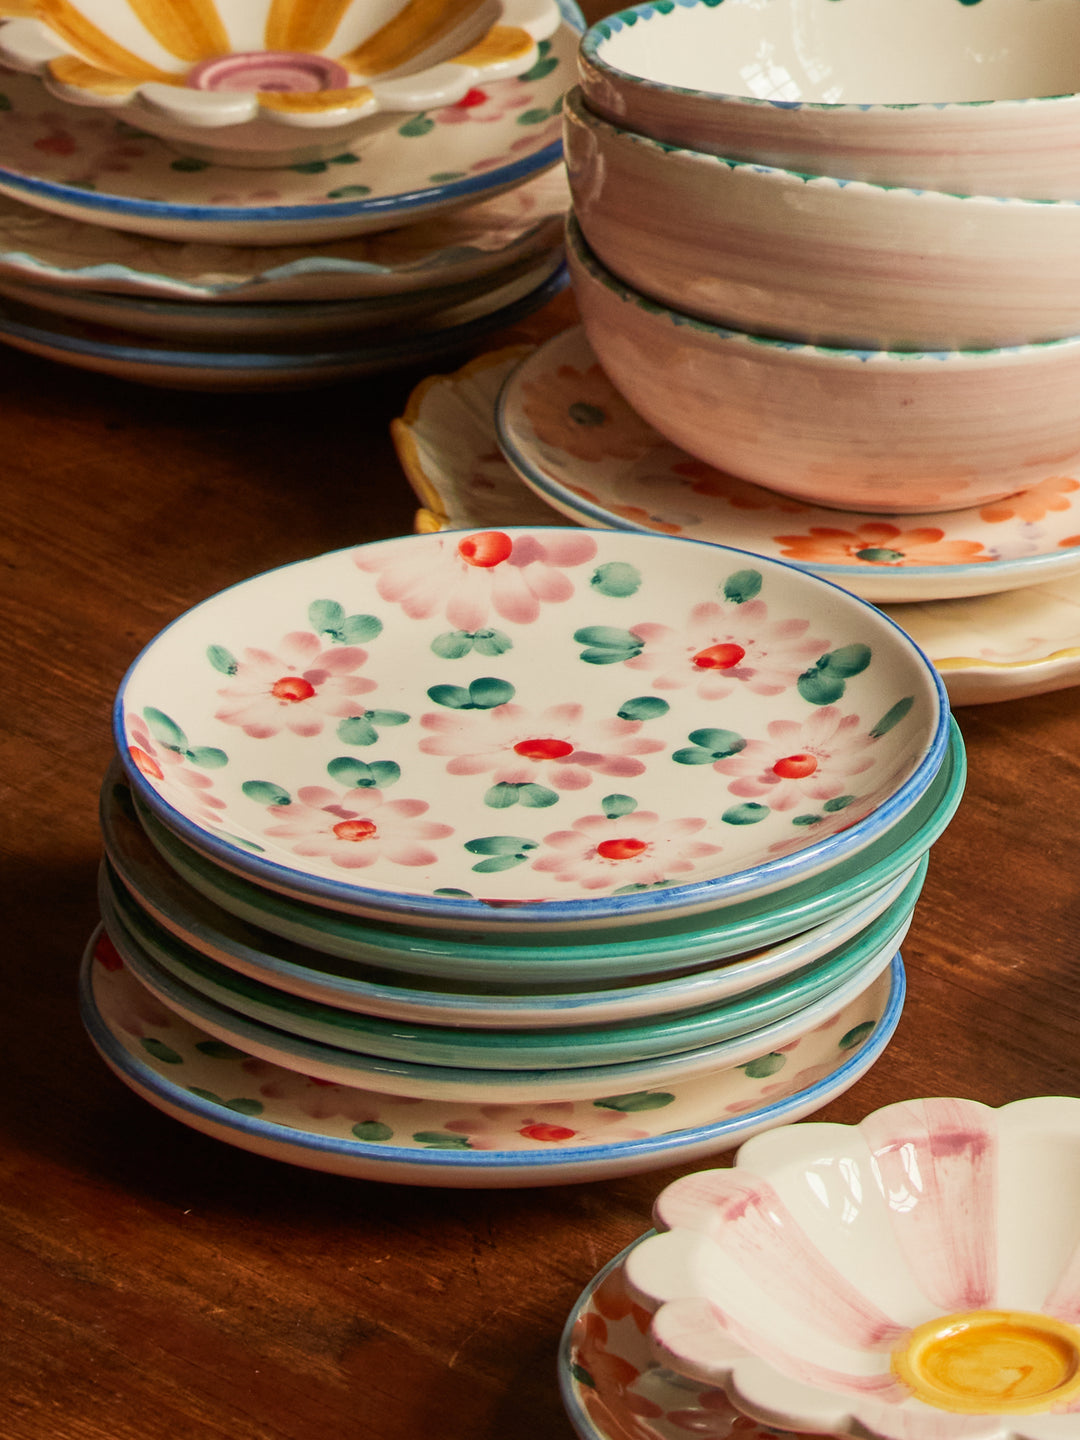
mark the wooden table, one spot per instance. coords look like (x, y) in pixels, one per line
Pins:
(159, 1285)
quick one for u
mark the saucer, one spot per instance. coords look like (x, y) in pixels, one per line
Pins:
(82, 165)
(454, 247)
(986, 648)
(220, 1091)
(315, 361)
(574, 440)
(614, 1389)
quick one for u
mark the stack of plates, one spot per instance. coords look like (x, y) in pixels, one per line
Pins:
(428, 861)
(117, 255)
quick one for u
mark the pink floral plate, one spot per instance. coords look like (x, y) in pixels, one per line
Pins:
(575, 442)
(521, 728)
(248, 1102)
(614, 1389)
(82, 165)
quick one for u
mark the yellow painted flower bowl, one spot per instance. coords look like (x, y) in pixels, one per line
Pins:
(272, 82)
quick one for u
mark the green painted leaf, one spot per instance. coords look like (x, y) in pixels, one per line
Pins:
(205, 1094)
(207, 757)
(617, 579)
(491, 642)
(540, 69)
(636, 1101)
(747, 814)
(497, 862)
(359, 629)
(819, 688)
(533, 117)
(222, 659)
(582, 1376)
(839, 802)
(856, 1036)
(453, 697)
(719, 743)
(357, 730)
(806, 820)
(349, 192)
(418, 126)
(161, 1051)
(499, 845)
(764, 1066)
(441, 1140)
(694, 755)
(615, 805)
(325, 615)
(892, 717)
(488, 692)
(373, 1131)
(266, 792)
(452, 645)
(643, 707)
(220, 1050)
(452, 893)
(244, 1106)
(164, 730)
(607, 645)
(537, 797)
(384, 773)
(501, 796)
(824, 682)
(357, 774)
(742, 586)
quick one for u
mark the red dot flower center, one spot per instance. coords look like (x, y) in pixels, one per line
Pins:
(543, 749)
(292, 688)
(541, 1131)
(146, 763)
(355, 830)
(626, 848)
(795, 767)
(485, 549)
(724, 656)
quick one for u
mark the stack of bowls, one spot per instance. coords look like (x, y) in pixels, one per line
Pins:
(832, 248)
(514, 857)
(206, 198)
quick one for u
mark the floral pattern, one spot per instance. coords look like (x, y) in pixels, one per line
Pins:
(606, 852)
(297, 686)
(174, 773)
(881, 543)
(358, 829)
(579, 412)
(809, 761)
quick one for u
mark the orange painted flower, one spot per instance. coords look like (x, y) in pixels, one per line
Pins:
(739, 494)
(579, 411)
(880, 543)
(1034, 504)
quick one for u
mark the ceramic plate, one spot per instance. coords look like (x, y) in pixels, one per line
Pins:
(318, 361)
(298, 970)
(500, 1084)
(613, 1388)
(257, 1106)
(574, 440)
(621, 953)
(76, 163)
(987, 648)
(150, 952)
(455, 247)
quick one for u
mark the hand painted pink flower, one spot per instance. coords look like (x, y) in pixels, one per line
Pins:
(357, 829)
(1053, 494)
(484, 107)
(802, 761)
(173, 777)
(558, 746)
(722, 647)
(315, 1099)
(551, 1124)
(739, 494)
(879, 543)
(580, 412)
(599, 853)
(297, 687)
(468, 577)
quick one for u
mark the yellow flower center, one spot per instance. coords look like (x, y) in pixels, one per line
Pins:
(992, 1361)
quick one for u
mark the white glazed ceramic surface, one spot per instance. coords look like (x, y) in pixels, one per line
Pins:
(830, 262)
(863, 90)
(885, 431)
(263, 364)
(300, 970)
(786, 1060)
(519, 728)
(614, 1388)
(914, 1275)
(154, 955)
(271, 84)
(465, 245)
(75, 163)
(573, 439)
(987, 649)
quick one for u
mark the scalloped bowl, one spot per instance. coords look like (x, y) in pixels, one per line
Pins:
(522, 730)
(831, 262)
(270, 84)
(977, 99)
(914, 1277)
(889, 431)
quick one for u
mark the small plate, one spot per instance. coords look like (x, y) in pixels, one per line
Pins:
(987, 648)
(220, 1091)
(614, 1389)
(74, 162)
(316, 361)
(455, 247)
(574, 440)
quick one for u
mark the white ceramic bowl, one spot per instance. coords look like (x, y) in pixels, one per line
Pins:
(912, 1276)
(875, 430)
(865, 90)
(520, 728)
(269, 83)
(814, 258)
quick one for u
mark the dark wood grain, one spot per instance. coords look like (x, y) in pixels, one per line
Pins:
(158, 1285)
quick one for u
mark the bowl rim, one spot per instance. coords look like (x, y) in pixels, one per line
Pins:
(408, 907)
